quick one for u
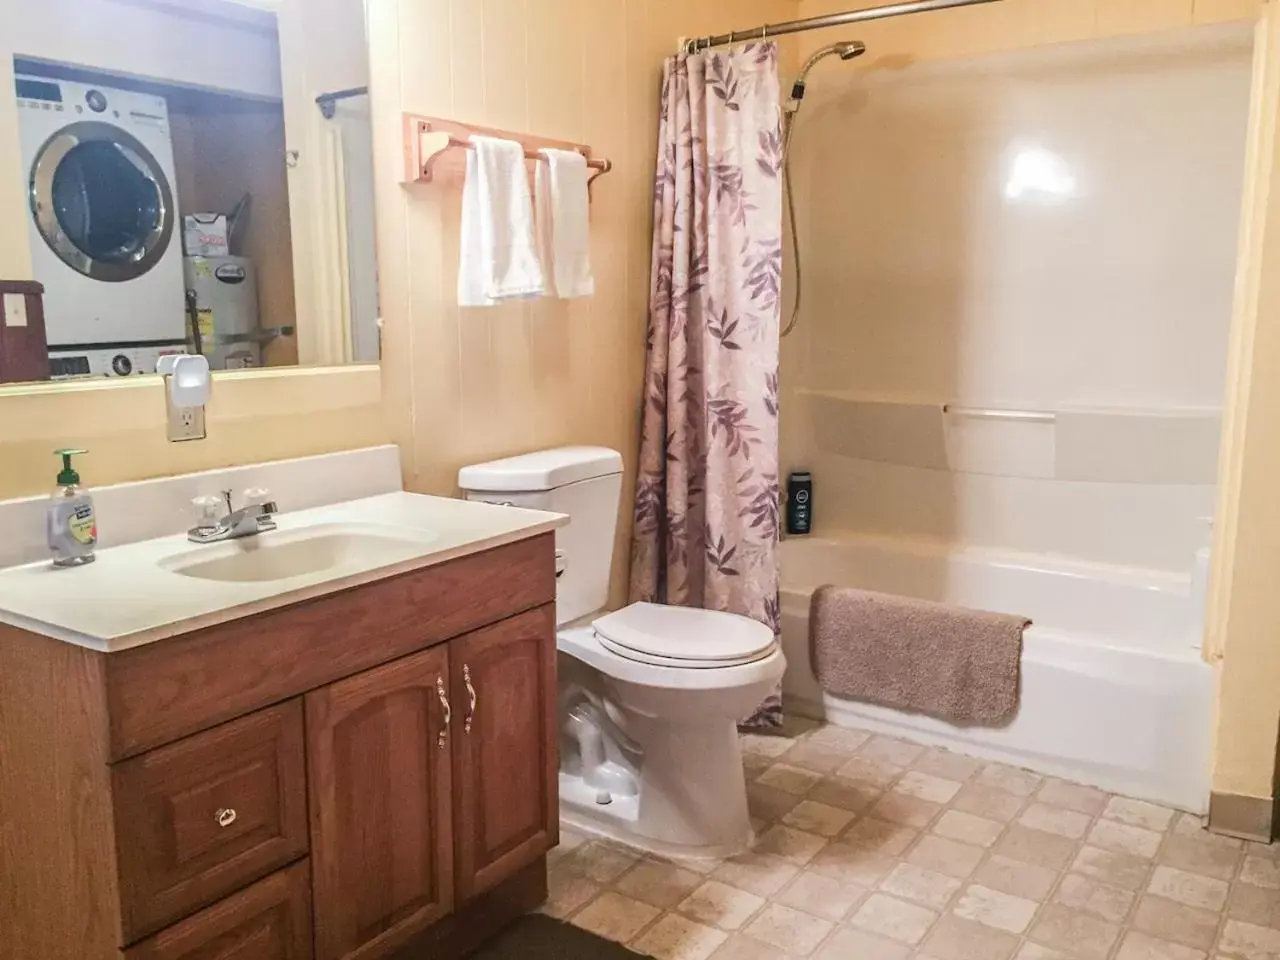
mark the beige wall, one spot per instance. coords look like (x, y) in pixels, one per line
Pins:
(1244, 618)
(252, 417)
(463, 386)
(1013, 24)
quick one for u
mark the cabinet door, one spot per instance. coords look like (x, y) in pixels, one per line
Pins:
(269, 921)
(379, 771)
(505, 755)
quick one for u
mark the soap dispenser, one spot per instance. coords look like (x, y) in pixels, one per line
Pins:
(72, 525)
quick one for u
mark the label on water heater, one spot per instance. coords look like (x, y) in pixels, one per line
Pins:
(231, 273)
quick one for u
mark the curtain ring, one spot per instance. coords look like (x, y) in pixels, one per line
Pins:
(764, 33)
(731, 38)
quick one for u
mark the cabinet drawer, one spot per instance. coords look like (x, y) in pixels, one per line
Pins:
(205, 816)
(269, 921)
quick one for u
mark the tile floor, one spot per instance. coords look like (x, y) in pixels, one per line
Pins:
(872, 848)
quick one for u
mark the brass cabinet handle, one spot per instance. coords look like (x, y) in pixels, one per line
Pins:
(225, 817)
(443, 737)
(471, 692)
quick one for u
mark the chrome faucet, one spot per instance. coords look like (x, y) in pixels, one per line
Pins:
(246, 522)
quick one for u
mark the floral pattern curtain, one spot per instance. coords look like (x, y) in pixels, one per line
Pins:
(706, 517)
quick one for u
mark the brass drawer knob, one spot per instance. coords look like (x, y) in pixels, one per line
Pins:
(225, 817)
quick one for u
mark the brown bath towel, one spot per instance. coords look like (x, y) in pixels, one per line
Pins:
(958, 665)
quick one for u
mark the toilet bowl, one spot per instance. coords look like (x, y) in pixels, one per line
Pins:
(650, 695)
(680, 717)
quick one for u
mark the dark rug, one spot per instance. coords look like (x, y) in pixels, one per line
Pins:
(539, 937)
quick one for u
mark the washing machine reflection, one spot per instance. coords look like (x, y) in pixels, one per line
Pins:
(103, 217)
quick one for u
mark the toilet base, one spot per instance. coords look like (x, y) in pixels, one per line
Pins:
(691, 802)
(617, 821)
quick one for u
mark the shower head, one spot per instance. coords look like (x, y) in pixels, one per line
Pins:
(845, 51)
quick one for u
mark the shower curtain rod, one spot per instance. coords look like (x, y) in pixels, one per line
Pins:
(830, 20)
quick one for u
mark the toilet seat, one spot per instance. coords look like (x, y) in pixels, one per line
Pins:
(684, 637)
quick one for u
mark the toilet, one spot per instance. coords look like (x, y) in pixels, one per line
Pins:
(650, 696)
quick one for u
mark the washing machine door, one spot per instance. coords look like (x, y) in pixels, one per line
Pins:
(101, 202)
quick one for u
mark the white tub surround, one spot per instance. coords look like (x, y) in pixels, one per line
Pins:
(1062, 210)
(1114, 689)
(151, 589)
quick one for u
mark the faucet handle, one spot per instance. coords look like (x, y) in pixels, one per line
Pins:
(260, 497)
(208, 512)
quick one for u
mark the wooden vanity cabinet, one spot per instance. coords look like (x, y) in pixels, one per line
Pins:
(379, 779)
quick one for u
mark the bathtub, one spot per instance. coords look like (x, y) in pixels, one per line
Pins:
(1115, 692)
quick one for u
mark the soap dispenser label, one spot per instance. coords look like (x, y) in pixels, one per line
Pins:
(82, 525)
(72, 527)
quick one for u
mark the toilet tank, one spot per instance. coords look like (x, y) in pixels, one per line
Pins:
(583, 482)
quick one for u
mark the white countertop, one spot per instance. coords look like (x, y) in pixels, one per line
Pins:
(130, 596)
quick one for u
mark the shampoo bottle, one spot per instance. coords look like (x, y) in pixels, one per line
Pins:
(72, 526)
(800, 504)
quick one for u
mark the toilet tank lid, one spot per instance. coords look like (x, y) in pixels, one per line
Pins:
(544, 470)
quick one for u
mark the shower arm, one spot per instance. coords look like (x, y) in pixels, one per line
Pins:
(820, 23)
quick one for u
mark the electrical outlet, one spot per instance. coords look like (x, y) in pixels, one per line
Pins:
(13, 310)
(186, 423)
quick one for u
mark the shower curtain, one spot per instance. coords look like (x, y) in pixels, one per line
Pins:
(706, 515)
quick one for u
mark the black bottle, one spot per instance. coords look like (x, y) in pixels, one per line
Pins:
(800, 504)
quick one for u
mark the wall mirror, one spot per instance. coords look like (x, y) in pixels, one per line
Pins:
(193, 176)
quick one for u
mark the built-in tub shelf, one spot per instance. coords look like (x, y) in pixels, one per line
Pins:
(1097, 445)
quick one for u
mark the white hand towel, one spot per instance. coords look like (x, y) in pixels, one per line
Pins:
(499, 259)
(564, 224)
(474, 260)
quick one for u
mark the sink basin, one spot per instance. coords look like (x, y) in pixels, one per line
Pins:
(281, 555)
